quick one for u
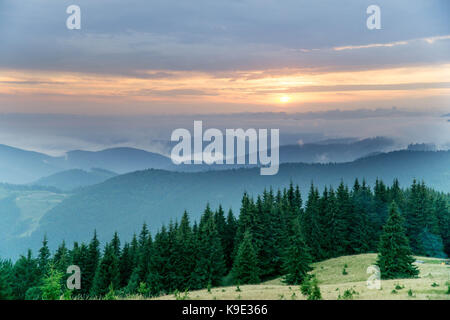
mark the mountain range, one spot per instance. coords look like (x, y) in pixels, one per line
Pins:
(23, 167)
(124, 202)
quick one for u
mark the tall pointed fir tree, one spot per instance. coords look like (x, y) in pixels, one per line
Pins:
(93, 257)
(311, 225)
(395, 258)
(44, 258)
(107, 274)
(228, 239)
(25, 275)
(184, 253)
(245, 268)
(297, 259)
(6, 280)
(210, 267)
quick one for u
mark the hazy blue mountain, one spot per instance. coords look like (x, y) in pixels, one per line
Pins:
(75, 178)
(21, 208)
(334, 150)
(20, 166)
(120, 160)
(422, 147)
(124, 202)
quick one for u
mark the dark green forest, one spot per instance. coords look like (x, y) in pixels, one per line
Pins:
(275, 234)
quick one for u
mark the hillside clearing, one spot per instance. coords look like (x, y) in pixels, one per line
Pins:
(431, 285)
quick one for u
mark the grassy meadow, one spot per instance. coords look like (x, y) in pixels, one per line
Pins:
(431, 284)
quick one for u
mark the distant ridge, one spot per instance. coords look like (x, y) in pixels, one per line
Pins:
(70, 180)
(19, 166)
(158, 196)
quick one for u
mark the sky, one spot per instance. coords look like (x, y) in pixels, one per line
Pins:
(168, 60)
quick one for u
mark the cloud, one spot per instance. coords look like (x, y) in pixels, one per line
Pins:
(218, 36)
(56, 134)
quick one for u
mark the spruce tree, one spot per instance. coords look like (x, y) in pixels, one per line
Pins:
(311, 225)
(44, 257)
(245, 268)
(26, 275)
(6, 280)
(61, 258)
(93, 257)
(228, 239)
(297, 259)
(395, 258)
(184, 253)
(107, 274)
(210, 266)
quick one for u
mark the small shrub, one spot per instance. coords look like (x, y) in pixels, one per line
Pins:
(348, 294)
(344, 271)
(238, 289)
(394, 291)
(305, 288)
(293, 296)
(179, 296)
(67, 295)
(399, 287)
(310, 289)
(316, 294)
(209, 287)
(111, 295)
(410, 293)
(33, 293)
(434, 284)
(142, 289)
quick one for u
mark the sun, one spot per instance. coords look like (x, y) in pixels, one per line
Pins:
(285, 99)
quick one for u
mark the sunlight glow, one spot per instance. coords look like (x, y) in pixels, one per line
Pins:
(285, 99)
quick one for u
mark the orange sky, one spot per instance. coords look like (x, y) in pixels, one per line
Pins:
(178, 91)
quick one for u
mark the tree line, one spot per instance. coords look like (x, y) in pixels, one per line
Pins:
(275, 234)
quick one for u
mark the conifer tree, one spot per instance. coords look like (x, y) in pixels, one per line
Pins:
(228, 239)
(6, 280)
(245, 268)
(126, 265)
(51, 287)
(442, 212)
(395, 257)
(297, 259)
(359, 241)
(311, 225)
(210, 267)
(25, 275)
(415, 217)
(107, 274)
(184, 252)
(61, 258)
(93, 257)
(336, 223)
(115, 243)
(44, 257)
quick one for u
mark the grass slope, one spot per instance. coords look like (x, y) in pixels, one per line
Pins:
(333, 283)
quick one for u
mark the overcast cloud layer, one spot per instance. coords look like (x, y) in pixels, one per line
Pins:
(219, 35)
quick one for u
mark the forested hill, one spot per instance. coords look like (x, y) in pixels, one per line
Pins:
(157, 196)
